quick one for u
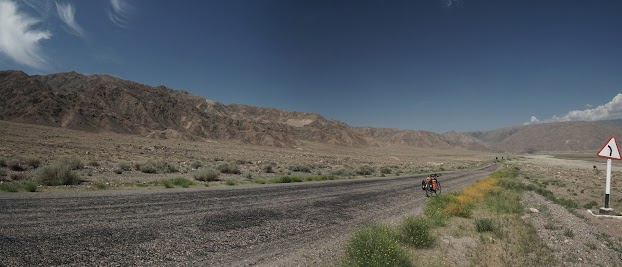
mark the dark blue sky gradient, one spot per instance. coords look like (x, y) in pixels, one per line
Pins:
(407, 64)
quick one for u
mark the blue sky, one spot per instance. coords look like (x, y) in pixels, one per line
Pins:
(435, 65)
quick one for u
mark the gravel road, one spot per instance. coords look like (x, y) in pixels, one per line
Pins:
(285, 224)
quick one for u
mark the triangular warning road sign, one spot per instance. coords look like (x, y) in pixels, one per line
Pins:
(610, 150)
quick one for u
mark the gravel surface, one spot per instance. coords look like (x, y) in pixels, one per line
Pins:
(573, 241)
(274, 225)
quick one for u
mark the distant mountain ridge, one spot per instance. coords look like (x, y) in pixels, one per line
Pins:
(106, 103)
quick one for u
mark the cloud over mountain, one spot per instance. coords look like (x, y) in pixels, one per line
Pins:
(609, 111)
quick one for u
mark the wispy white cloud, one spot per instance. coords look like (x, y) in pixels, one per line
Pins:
(66, 12)
(119, 13)
(588, 105)
(18, 40)
(609, 111)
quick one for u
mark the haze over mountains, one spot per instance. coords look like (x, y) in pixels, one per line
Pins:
(106, 103)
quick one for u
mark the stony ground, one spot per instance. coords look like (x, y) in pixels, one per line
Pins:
(576, 236)
(573, 240)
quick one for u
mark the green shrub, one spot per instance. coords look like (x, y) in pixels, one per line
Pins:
(385, 170)
(320, 177)
(259, 181)
(231, 182)
(165, 167)
(365, 170)
(341, 172)
(58, 173)
(247, 175)
(9, 187)
(20, 176)
(196, 164)
(375, 245)
(300, 168)
(147, 167)
(229, 167)
(207, 175)
(282, 179)
(568, 233)
(268, 167)
(101, 186)
(31, 161)
(417, 231)
(124, 166)
(15, 165)
(30, 186)
(484, 225)
(2, 172)
(177, 181)
(74, 163)
(243, 161)
(3, 162)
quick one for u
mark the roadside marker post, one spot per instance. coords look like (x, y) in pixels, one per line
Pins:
(609, 151)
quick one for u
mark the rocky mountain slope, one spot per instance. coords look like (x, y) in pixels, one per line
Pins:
(559, 136)
(106, 103)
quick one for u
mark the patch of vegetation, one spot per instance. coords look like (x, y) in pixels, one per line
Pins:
(73, 163)
(206, 175)
(484, 225)
(228, 167)
(365, 170)
(267, 167)
(31, 161)
(9, 187)
(231, 182)
(150, 166)
(300, 168)
(320, 177)
(30, 186)
(3, 162)
(146, 167)
(341, 172)
(247, 175)
(568, 233)
(286, 179)
(58, 173)
(101, 186)
(20, 176)
(15, 165)
(117, 171)
(196, 164)
(385, 170)
(375, 245)
(243, 162)
(417, 231)
(590, 204)
(2, 172)
(124, 166)
(93, 163)
(177, 182)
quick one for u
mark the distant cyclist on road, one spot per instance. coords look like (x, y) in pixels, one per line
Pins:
(431, 180)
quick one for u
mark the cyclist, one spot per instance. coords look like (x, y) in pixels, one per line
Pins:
(425, 181)
(430, 180)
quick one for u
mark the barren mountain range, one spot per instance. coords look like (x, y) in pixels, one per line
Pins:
(106, 103)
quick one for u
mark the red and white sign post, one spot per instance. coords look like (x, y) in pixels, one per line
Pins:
(609, 151)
